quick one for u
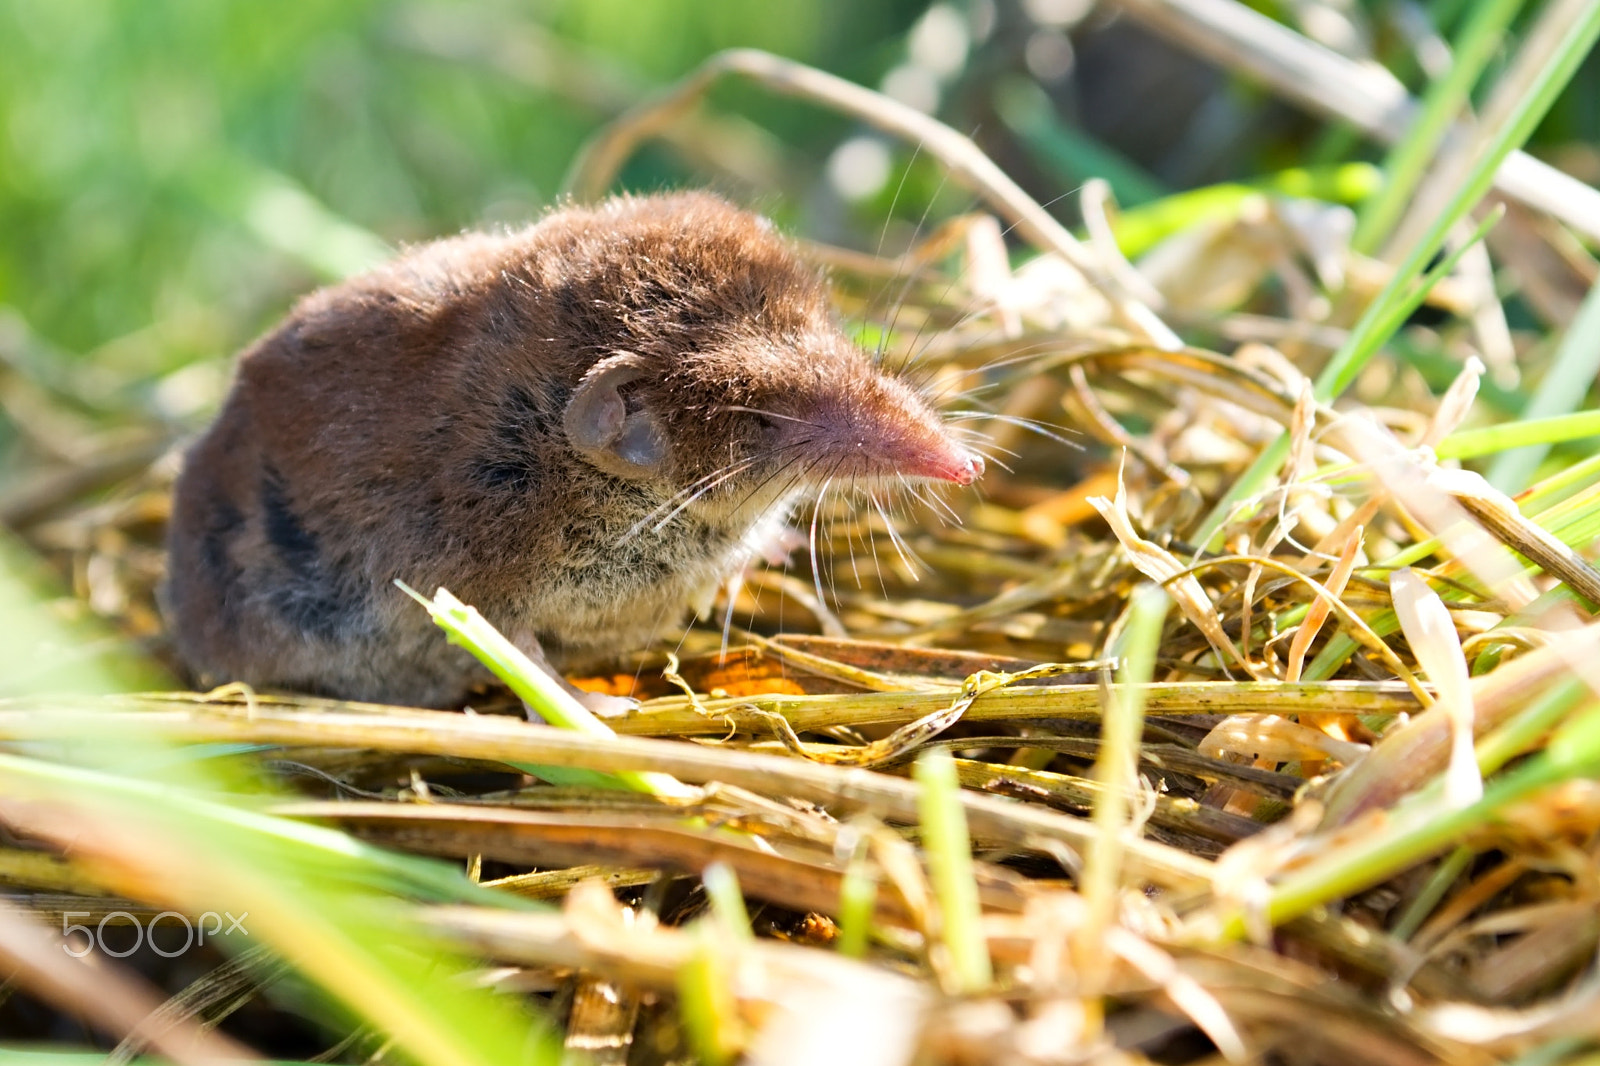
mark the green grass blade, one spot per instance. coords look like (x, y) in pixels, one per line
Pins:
(706, 1006)
(1379, 323)
(949, 849)
(1139, 228)
(1552, 78)
(1419, 828)
(858, 898)
(331, 854)
(1117, 767)
(1389, 312)
(727, 902)
(1411, 155)
(1534, 434)
(536, 687)
(1566, 387)
(305, 892)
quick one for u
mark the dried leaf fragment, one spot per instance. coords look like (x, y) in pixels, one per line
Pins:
(1160, 565)
(1432, 635)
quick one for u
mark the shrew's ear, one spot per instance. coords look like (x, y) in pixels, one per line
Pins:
(626, 443)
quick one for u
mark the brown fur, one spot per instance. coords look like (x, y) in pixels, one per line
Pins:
(408, 424)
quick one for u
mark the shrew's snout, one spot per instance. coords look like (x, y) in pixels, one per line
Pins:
(881, 428)
(968, 470)
(939, 460)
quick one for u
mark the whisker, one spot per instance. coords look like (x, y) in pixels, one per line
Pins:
(1043, 347)
(1030, 424)
(978, 441)
(910, 490)
(973, 309)
(905, 287)
(1028, 353)
(763, 413)
(936, 502)
(900, 547)
(705, 484)
(894, 201)
(868, 539)
(735, 584)
(883, 235)
(676, 511)
(913, 353)
(816, 565)
(944, 396)
(848, 492)
(770, 478)
(677, 495)
(852, 531)
(988, 457)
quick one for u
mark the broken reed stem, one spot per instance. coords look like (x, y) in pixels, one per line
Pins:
(674, 717)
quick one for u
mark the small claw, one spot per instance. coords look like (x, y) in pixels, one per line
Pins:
(785, 542)
(598, 704)
(606, 706)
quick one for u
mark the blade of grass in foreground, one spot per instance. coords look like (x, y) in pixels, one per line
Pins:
(540, 691)
(858, 895)
(312, 904)
(1117, 767)
(727, 902)
(949, 849)
(327, 903)
(1529, 433)
(1117, 770)
(706, 1005)
(1566, 386)
(329, 854)
(1409, 157)
(44, 1057)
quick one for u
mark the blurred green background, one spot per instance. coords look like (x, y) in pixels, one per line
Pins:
(174, 172)
(171, 171)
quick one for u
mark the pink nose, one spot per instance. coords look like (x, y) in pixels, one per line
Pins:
(969, 470)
